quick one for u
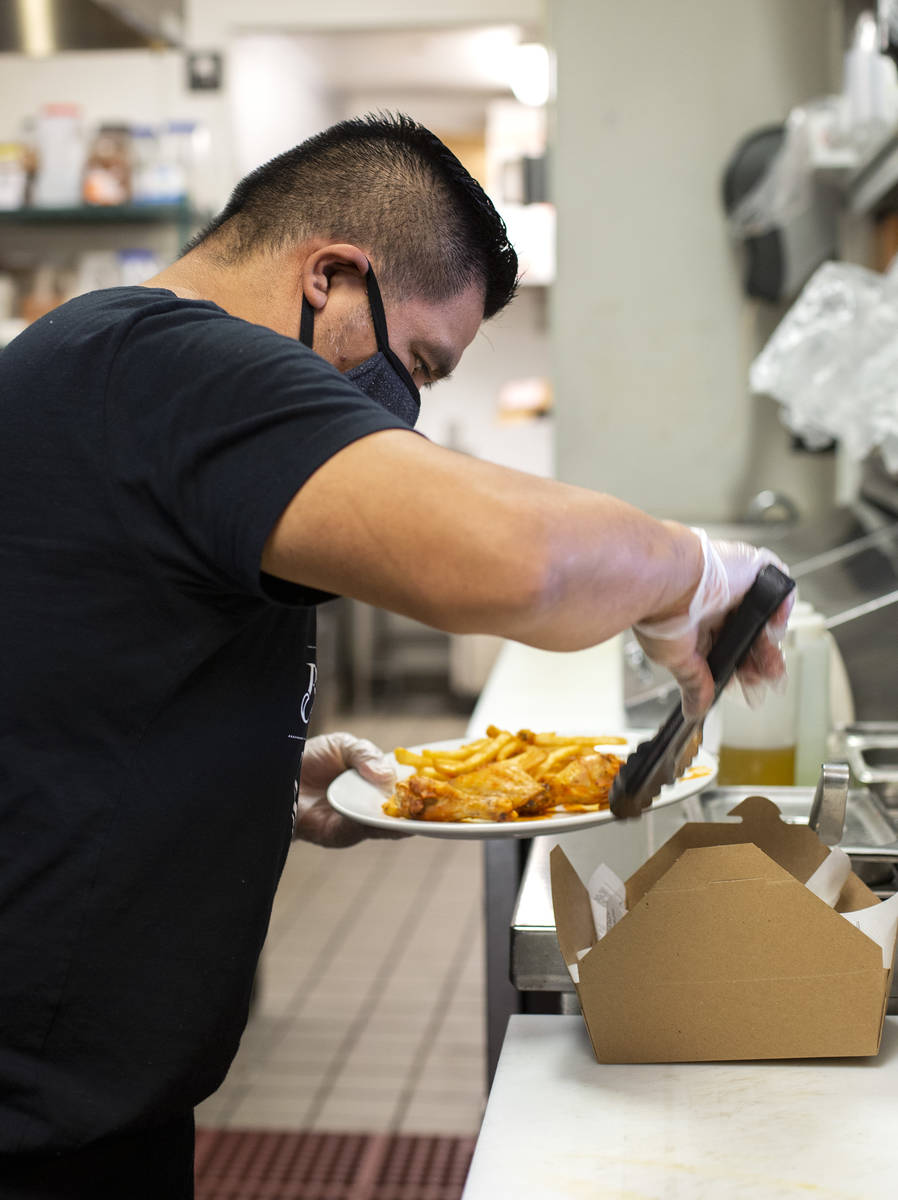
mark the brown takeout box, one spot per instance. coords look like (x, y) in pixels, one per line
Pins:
(724, 953)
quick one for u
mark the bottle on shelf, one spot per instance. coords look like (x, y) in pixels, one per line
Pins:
(175, 161)
(145, 165)
(13, 176)
(59, 146)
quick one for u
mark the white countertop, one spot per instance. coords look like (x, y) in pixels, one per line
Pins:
(559, 1124)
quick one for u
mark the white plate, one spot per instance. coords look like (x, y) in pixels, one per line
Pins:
(354, 797)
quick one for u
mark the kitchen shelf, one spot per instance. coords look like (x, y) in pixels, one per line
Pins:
(185, 218)
(101, 214)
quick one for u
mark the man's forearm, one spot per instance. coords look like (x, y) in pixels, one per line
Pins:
(467, 546)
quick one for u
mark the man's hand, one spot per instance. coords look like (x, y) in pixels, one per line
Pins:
(681, 643)
(324, 759)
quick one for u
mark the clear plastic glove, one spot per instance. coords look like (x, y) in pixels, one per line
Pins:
(324, 759)
(681, 643)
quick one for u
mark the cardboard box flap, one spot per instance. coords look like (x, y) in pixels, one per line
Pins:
(795, 847)
(726, 915)
(720, 864)
(573, 914)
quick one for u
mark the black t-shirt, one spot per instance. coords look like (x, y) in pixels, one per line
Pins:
(154, 694)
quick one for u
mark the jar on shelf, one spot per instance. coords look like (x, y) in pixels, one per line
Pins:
(144, 165)
(107, 173)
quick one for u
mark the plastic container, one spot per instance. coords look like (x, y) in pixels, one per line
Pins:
(176, 161)
(758, 744)
(144, 165)
(59, 145)
(13, 176)
(810, 657)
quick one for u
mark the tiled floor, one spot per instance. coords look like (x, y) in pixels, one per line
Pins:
(370, 1012)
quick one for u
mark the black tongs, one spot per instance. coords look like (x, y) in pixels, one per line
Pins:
(661, 759)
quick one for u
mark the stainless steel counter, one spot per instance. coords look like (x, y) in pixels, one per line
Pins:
(871, 840)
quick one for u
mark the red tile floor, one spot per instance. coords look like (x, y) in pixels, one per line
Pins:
(254, 1165)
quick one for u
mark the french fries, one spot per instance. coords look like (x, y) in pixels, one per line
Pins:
(524, 749)
(554, 760)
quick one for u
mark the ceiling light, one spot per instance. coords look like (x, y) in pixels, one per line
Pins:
(529, 73)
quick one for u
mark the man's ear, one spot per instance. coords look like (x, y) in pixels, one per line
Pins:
(322, 265)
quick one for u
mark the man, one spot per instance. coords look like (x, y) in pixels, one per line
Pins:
(186, 469)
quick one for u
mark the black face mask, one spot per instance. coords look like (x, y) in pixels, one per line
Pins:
(383, 376)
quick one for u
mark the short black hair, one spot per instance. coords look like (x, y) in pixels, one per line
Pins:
(388, 185)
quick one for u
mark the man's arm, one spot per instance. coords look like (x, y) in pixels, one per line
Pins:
(470, 547)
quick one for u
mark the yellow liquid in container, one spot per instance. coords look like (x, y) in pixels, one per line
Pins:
(740, 766)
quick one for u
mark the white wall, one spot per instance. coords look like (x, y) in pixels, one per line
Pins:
(652, 335)
(463, 412)
(277, 96)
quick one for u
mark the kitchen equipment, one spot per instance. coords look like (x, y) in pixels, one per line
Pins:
(779, 258)
(827, 815)
(660, 760)
(871, 748)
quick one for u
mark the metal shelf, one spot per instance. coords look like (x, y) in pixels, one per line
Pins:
(101, 214)
(183, 218)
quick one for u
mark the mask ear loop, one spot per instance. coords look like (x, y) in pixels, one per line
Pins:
(306, 322)
(379, 321)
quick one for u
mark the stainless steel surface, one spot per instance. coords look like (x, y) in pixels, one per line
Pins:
(868, 831)
(872, 751)
(870, 838)
(43, 27)
(769, 506)
(827, 815)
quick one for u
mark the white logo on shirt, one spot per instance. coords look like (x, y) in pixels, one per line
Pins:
(305, 709)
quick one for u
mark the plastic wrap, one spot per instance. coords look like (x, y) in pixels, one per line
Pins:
(832, 363)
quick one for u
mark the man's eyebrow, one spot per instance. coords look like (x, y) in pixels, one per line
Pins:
(438, 358)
